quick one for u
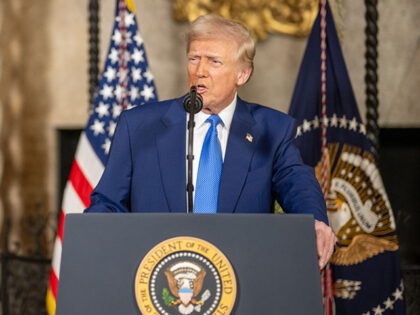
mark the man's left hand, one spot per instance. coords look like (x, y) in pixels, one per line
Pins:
(325, 242)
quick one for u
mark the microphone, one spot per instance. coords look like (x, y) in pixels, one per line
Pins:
(193, 102)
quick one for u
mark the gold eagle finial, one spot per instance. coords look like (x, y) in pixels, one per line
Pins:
(130, 5)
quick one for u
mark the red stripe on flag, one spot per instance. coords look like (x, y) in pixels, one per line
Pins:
(80, 184)
(61, 226)
(53, 283)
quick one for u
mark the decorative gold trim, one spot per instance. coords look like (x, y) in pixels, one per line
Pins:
(260, 16)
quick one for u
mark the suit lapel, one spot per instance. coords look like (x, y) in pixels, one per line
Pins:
(171, 148)
(239, 152)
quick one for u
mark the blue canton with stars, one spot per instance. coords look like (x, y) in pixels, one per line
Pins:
(140, 87)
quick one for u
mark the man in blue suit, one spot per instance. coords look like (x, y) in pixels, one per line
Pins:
(146, 169)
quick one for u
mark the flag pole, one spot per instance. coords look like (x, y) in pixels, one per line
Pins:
(93, 50)
(371, 76)
(326, 274)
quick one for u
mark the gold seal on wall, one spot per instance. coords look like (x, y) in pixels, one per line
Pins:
(260, 16)
(185, 275)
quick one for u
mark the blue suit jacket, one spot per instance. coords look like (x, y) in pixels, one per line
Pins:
(146, 168)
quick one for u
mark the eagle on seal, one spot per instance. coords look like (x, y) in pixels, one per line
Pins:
(185, 280)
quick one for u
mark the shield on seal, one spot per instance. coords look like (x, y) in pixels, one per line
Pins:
(185, 295)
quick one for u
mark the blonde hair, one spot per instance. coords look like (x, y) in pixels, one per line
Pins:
(214, 26)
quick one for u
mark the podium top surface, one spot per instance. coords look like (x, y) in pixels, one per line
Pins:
(274, 259)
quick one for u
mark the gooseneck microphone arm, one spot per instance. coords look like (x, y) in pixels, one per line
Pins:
(192, 104)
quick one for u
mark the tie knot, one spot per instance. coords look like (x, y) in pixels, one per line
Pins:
(214, 120)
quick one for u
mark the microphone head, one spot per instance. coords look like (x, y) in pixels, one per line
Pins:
(195, 97)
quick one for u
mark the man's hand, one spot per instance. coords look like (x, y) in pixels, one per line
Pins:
(325, 242)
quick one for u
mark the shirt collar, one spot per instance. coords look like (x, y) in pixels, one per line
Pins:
(226, 115)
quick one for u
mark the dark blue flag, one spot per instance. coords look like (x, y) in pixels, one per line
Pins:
(365, 265)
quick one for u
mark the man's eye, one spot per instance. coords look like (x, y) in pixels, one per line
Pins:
(216, 62)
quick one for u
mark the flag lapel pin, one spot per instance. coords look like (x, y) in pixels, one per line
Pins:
(249, 137)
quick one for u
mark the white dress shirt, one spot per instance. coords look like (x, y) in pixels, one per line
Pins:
(200, 131)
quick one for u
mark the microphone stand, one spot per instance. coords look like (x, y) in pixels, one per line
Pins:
(192, 104)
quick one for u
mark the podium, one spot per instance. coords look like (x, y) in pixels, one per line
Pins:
(189, 264)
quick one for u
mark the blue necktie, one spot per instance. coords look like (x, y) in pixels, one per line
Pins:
(209, 170)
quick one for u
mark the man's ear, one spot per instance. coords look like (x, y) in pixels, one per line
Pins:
(243, 76)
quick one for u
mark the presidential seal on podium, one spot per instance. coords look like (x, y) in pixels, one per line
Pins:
(185, 275)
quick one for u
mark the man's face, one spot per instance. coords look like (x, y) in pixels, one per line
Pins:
(213, 69)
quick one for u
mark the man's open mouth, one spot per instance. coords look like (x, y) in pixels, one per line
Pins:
(201, 88)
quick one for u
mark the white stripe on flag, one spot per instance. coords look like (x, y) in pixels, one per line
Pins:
(88, 161)
(57, 257)
(71, 200)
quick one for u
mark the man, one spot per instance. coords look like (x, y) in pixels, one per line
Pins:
(244, 153)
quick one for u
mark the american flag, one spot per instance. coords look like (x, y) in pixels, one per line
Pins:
(126, 82)
(365, 266)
